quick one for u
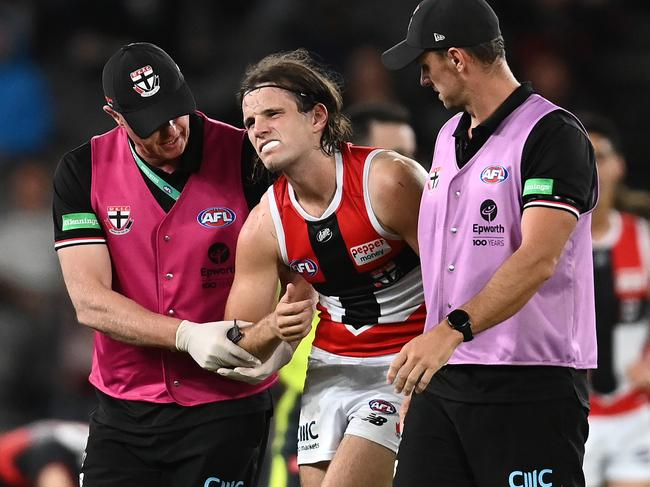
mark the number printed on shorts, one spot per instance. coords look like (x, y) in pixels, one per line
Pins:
(375, 419)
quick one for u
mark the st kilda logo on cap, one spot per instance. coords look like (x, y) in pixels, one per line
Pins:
(145, 82)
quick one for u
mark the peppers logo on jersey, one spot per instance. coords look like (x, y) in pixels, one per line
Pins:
(370, 251)
(119, 219)
(304, 266)
(145, 82)
(494, 174)
(217, 217)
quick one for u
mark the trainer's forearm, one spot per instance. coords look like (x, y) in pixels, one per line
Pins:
(509, 289)
(123, 319)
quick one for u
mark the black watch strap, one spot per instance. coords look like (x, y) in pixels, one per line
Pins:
(460, 321)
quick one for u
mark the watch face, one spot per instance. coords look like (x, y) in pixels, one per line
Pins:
(234, 334)
(458, 318)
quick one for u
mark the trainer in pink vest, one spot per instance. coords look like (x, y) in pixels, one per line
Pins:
(470, 223)
(161, 261)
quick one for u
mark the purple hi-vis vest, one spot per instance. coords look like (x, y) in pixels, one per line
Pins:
(470, 223)
(179, 263)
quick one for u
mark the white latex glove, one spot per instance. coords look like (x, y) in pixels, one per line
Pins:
(254, 375)
(209, 346)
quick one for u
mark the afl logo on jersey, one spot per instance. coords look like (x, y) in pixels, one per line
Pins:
(382, 406)
(218, 217)
(494, 174)
(304, 266)
(323, 235)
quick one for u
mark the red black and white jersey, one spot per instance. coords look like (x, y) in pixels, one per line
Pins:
(368, 279)
(26, 451)
(622, 286)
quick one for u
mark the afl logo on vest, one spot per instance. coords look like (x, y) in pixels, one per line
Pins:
(494, 174)
(218, 217)
(304, 266)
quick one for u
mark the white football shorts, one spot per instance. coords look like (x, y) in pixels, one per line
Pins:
(346, 396)
(618, 448)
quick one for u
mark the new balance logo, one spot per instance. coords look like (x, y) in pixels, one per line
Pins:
(375, 419)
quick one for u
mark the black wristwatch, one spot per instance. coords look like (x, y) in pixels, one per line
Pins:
(459, 320)
(234, 334)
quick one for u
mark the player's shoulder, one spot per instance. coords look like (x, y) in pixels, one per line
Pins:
(258, 236)
(260, 219)
(390, 167)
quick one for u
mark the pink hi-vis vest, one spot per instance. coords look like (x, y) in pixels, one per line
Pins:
(174, 263)
(470, 223)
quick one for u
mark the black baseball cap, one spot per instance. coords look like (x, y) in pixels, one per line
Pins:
(146, 87)
(441, 24)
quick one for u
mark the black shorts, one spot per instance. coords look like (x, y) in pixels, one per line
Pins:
(226, 451)
(460, 444)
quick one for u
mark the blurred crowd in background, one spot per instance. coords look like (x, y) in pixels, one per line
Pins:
(586, 55)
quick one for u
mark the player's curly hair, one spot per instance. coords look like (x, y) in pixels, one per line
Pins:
(310, 83)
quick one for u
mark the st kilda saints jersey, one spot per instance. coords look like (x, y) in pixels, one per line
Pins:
(371, 300)
(622, 287)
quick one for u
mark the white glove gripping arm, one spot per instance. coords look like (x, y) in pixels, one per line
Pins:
(254, 375)
(209, 347)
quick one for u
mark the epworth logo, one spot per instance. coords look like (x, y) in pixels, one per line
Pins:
(119, 219)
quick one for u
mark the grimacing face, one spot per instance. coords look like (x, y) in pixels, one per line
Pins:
(280, 133)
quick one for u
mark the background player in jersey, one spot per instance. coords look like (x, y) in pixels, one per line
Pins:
(44, 453)
(617, 452)
(382, 124)
(146, 221)
(344, 218)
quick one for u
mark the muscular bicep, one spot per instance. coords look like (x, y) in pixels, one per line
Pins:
(395, 185)
(545, 232)
(255, 288)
